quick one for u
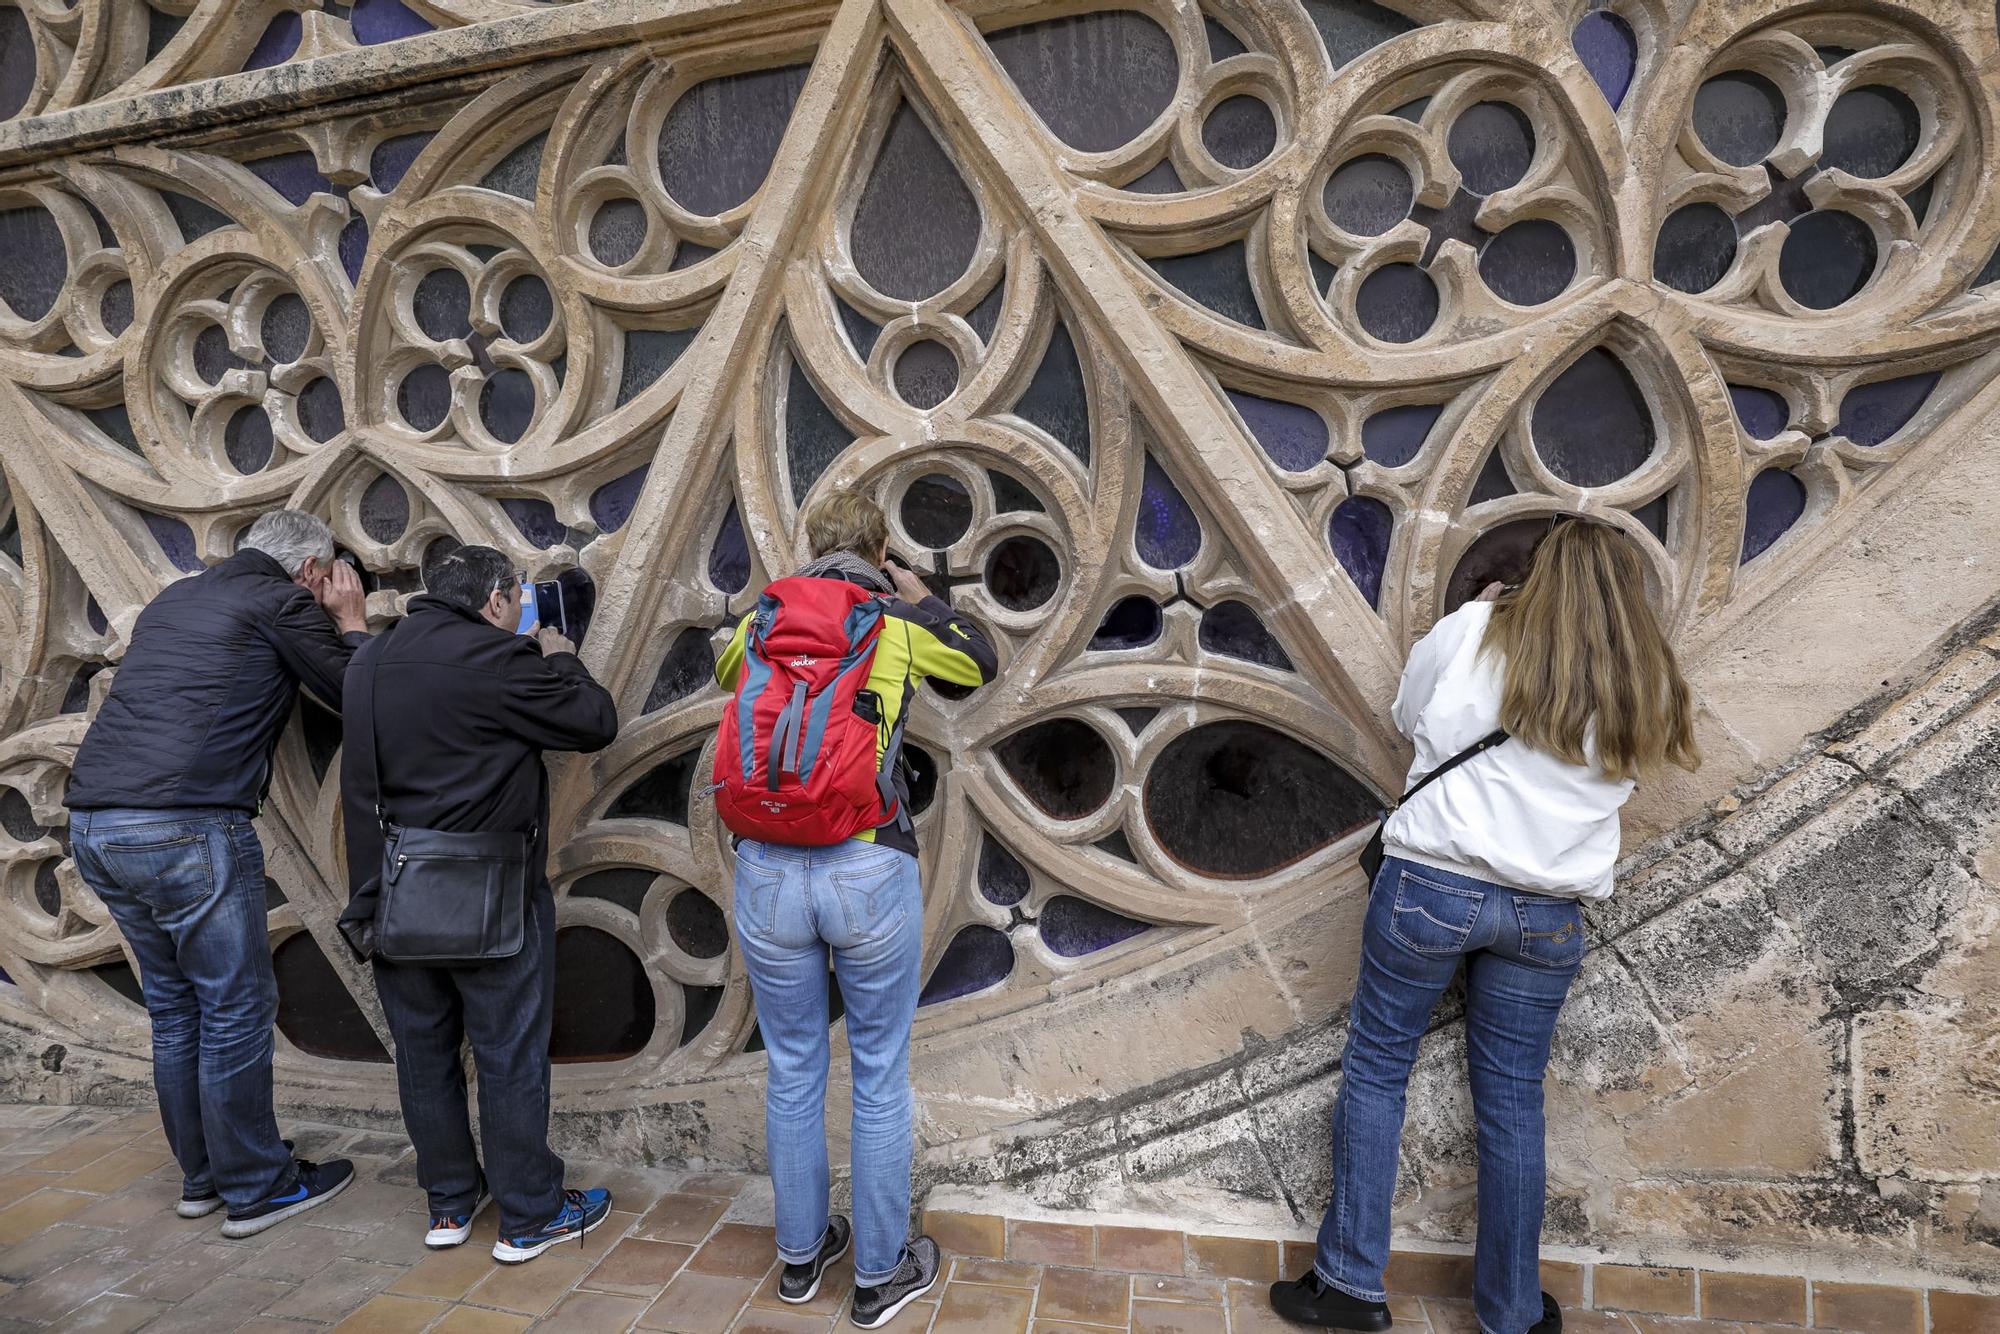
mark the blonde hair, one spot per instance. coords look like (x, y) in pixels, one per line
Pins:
(847, 521)
(1584, 650)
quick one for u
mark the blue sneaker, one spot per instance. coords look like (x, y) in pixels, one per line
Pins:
(448, 1230)
(316, 1184)
(581, 1211)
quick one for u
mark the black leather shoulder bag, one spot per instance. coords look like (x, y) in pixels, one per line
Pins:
(446, 897)
(1371, 856)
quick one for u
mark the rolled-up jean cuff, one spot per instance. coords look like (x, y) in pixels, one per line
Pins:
(862, 1280)
(806, 1256)
(1359, 1294)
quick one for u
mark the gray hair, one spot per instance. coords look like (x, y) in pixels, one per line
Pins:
(290, 537)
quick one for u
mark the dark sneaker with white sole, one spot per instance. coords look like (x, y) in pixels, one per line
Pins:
(1552, 1318)
(800, 1283)
(316, 1184)
(201, 1206)
(581, 1211)
(914, 1277)
(1311, 1300)
(448, 1230)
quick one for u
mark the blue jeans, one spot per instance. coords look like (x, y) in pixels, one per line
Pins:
(186, 888)
(1521, 952)
(863, 904)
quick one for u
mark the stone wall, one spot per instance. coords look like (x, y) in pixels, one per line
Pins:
(1206, 353)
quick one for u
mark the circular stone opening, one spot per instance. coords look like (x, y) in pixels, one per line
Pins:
(937, 510)
(926, 374)
(1022, 573)
(1369, 194)
(1240, 132)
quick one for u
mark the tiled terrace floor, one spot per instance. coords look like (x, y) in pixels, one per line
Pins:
(89, 1241)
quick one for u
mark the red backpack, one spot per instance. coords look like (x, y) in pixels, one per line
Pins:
(795, 759)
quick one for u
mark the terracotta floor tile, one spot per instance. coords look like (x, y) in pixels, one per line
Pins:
(80, 1152)
(790, 1320)
(146, 1205)
(472, 1320)
(737, 1250)
(967, 1234)
(973, 1307)
(1166, 1288)
(638, 1268)
(1086, 1295)
(835, 1286)
(391, 1315)
(1450, 1315)
(111, 1314)
(1176, 1318)
(530, 1288)
(915, 1318)
(15, 1185)
(1051, 1244)
(698, 1304)
(595, 1311)
(722, 1185)
(1232, 1257)
(446, 1274)
(1147, 1249)
(30, 1214)
(1250, 1311)
(681, 1217)
(634, 1190)
(1002, 1273)
(1071, 1327)
(334, 1291)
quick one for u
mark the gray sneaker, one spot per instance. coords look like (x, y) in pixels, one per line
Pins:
(915, 1276)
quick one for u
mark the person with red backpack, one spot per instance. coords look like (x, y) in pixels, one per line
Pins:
(808, 776)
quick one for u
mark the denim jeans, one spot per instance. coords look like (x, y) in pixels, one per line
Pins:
(1521, 952)
(506, 1008)
(863, 904)
(186, 887)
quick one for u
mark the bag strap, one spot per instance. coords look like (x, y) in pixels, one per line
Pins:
(374, 732)
(1479, 747)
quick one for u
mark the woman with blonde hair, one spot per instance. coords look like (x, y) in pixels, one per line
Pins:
(1537, 708)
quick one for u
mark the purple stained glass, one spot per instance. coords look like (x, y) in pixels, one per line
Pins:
(1096, 79)
(296, 176)
(1132, 622)
(1394, 436)
(729, 558)
(393, 158)
(1592, 424)
(94, 614)
(977, 958)
(1360, 533)
(176, 540)
(1234, 629)
(926, 374)
(1219, 279)
(611, 504)
(1872, 413)
(1167, 534)
(1074, 927)
(1397, 303)
(1763, 413)
(618, 231)
(719, 137)
(1002, 878)
(916, 225)
(376, 21)
(1776, 501)
(353, 246)
(279, 43)
(1610, 51)
(37, 261)
(535, 519)
(1292, 434)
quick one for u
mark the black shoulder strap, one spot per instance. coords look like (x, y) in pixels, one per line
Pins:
(374, 732)
(1485, 743)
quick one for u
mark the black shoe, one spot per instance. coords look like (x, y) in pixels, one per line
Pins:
(1552, 1318)
(316, 1184)
(1310, 1300)
(800, 1283)
(914, 1277)
(201, 1206)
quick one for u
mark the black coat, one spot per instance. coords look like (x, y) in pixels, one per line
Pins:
(206, 686)
(464, 711)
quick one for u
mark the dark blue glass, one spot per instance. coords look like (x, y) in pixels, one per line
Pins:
(1530, 263)
(719, 138)
(1235, 630)
(176, 540)
(1095, 79)
(985, 316)
(611, 504)
(296, 176)
(1166, 533)
(442, 304)
(1397, 303)
(279, 43)
(1158, 179)
(729, 558)
(246, 440)
(861, 331)
(977, 958)
(1022, 573)
(286, 329)
(1118, 846)
(688, 669)
(937, 510)
(916, 225)
(115, 307)
(1292, 434)
(1074, 927)
(37, 261)
(1492, 144)
(1369, 194)
(1827, 260)
(385, 509)
(1055, 399)
(76, 699)
(1394, 436)
(700, 1005)
(662, 793)
(1610, 51)
(320, 411)
(1360, 531)
(647, 355)
(1132, 622)
(17, 62)
(604, 1008)
(1991, 272)
(687, 254)
(315, 1009)
(377, 21)
(94, 616)
(115, 422)
(212, 355)
(353, 246)
(393, 158)
(1063, 766)
(1655, 515)
(1240, 132)
(1871, 131)
(507, 404)
(1776, 501)
(1218, 279)
(926, 374)
(194, 218)
(1695, 248)
(1236, 800)
(1592, 425)
(1919, 200)
(18, 818)
(618, 231)
(1222, 43)
(1002, 878)
(814, 437)
(535, 519)
(1872, 413)
(517, 173)
(1324, 271)
(1740, 116)
(1350, 28)
(1763, 413)
(526, 308)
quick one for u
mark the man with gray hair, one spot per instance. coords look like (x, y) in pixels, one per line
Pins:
(161, 797)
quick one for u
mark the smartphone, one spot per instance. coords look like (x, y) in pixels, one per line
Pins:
(563, 603)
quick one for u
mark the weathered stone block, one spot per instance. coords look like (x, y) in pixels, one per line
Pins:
(1927, 1093)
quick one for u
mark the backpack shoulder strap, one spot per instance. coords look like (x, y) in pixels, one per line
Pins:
(1479, 747)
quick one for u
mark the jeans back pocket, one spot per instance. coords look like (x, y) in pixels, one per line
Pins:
(1432, 918)
(1551, 931)
(165, 867)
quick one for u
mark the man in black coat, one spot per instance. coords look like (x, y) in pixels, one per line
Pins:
(161, 798)
(463, 708)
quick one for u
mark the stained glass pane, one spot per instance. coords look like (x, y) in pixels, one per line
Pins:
(1074, 927)
(1872, 413)
(1500, 556)
(1871, 131)
(977, 958)
(611, 504)
(320, 411)
(1002, 878)
(279, 43)
(1167, 534)
(507, 404)
(1132, 622)
(38, 262)
(1696, 247)
(648, 355)
(926, 373)
(1218, 279)
(393, 158)
(729, 558)
(814, 437)
(1022, 573)
(1055, 399)
(937, 510)
(1063, 765)
(697, 925)
(689, 668)
(662, 794)
(1397, 303)
(1763, 412)
(618, 231)
(916, 226)
(517, 173)
(286, 329)
(1240, 132)
(1492, 145)
(17, 62)
(176, 540)
(1235, 630)
(1349, 28)
(1359, 533)
(443, 304)
(1740, 116)
(719, 139)
(1236, 800)
(316, 1012)
(1292, 434)
(1592, 426)
(1370, 194)
(1095, 79)
(626, 886)
(115, 307)
(1394, 436)
(1530, 263)
(535, 519)
(604, 1000)
(247, 439)
(1828, 258)
(1776, 501)
(1610, 51)
(526, 308)
(378, 21)
(296, 176)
